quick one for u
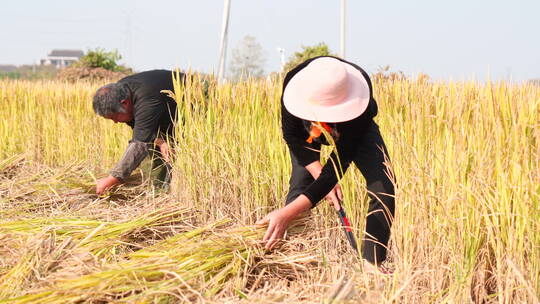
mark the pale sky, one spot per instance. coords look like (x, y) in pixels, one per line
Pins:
(446, 39)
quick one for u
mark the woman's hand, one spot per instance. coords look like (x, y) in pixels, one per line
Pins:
(278, 220)
(335, 196)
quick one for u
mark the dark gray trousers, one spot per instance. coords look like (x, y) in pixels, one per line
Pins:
(161, 170)
(370, 159)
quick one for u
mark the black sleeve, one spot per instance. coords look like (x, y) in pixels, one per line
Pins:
(147, 117)
(333, 168)
(295, 136)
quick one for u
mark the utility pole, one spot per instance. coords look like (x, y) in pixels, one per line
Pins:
(223, 44)
(343, 17)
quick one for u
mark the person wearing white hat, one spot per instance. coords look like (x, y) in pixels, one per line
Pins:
(328, 96)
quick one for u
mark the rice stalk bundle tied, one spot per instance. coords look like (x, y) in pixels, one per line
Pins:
(189, 266)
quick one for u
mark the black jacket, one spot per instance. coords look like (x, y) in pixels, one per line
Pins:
(296, 132)
(154, 115)
(153, 110)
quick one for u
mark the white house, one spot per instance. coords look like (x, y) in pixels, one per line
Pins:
(62, 58)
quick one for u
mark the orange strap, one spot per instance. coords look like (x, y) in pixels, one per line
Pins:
(316, 132)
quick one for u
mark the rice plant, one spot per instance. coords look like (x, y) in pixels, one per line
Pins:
(465, 155)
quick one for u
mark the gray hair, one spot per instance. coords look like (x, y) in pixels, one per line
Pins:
(107, 99)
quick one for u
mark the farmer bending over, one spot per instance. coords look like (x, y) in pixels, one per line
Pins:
(137, 101)
(336, 95)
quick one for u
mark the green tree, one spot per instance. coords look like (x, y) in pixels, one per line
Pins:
(99, 58)
(31, 72)
(307, 52)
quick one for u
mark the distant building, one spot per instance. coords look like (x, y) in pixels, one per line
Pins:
(62, 58)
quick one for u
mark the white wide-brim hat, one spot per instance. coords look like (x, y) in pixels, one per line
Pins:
(327, 90)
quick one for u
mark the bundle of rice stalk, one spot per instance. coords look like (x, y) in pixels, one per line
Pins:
(104, 240)
(15, 277)
(189, 267)
(67, 195)
(44, 177)
(9, 164)
(45, 255)
(36, 180)
(27, 192)
(93, 234)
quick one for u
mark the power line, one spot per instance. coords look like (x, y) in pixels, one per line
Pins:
(60, 19)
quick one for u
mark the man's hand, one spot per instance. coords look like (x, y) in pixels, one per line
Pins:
(105, 183)
(278, 220)
(163, 148)
(335, 196)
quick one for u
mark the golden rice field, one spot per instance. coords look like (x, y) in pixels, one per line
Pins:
(466, 157)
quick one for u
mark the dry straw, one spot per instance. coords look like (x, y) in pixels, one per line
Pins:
(189, 266)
